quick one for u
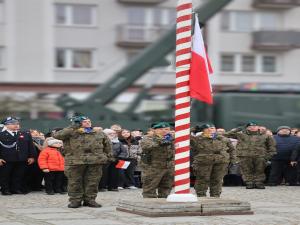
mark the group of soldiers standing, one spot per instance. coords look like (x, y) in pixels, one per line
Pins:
(87, 149)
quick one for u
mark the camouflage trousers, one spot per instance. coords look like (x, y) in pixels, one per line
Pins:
(253, 169)
(83, 181)
(209, 175)
(157, 182)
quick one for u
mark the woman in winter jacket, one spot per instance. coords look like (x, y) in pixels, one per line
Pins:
(52, 164)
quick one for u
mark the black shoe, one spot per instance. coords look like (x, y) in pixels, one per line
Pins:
(18, 192)
(113, 189)
(50, 192)
(260, 186)
(271, 184)
(92, 204)
(74, 205)
(6, 193)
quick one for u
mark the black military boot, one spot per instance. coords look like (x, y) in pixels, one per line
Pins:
(92, 204)
(260, 186)
(74, 204)
(250, 186)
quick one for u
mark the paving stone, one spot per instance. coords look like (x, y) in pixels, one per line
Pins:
(85, 221)
(12, 223)
(49, 216)
(3, 219)
(38, 210)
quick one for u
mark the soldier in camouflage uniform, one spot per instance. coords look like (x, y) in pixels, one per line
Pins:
(157, 162)
(254, 149)
(212, 154)
(85, 149)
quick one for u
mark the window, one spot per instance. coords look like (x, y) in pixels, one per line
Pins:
(1, 11)
(136, 16)
(227, 63)
(74, 58)
(269, 21)
(247, 21)
(243, 21)
(248, 63)
(269, 64)
(83, 15)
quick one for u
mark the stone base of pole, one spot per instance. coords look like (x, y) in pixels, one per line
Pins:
(159, 207)
(182, 198)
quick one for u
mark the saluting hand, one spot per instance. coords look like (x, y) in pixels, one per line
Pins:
(30, 161)
(2, 162)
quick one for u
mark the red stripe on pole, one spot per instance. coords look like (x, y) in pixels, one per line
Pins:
(182, 105)
(183, 73)
(187, 191)
(183, 62)
(182, 127)
(183, 51)
(183, 160)
(183, 94)
(183, 40)
(181, 182)
(182, 116)
(183, 18)
(183, 149)
(182, 84)
(182, 138)
(183, 29)
(184, 6)
(182, 171)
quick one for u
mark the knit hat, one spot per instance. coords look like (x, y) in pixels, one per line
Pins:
(108, 131)
(283, 127)
(53, 141)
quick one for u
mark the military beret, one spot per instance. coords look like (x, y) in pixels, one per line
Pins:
(79, 119)
(251, 124)
(10, 120)
(205, 126)
(160, 125)
(283, 127)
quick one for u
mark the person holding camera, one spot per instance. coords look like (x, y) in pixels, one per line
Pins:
(86, 150)
(157, 162)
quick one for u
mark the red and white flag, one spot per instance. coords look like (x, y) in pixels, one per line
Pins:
(200, 87)
(122, 164)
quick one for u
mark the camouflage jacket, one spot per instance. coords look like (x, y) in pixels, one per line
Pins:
(219, 150)
(84, 148)
(253, 144)
(156, 154)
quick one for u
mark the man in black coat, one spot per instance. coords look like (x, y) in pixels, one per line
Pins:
(281, 162)
(16, 153)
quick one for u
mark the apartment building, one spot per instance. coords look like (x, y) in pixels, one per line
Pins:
(255, 41)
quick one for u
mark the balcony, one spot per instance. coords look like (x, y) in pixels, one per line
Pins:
(279, 4)
(138, 36)
(276, 40)
(142, 1)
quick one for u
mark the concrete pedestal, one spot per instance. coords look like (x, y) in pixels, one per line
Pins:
(204, 207)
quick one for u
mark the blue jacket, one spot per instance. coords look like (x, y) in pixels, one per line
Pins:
(285, 145)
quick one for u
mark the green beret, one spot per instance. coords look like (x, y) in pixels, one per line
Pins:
(251, 124)
(205, 126)
(161, 125)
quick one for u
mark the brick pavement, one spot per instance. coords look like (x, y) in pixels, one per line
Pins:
(275, 205)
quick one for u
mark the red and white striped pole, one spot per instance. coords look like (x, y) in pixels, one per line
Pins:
(182, 103)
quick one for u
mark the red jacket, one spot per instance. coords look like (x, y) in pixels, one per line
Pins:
(51, 159)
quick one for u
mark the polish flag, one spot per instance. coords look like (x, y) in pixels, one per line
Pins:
(122, 164)
(200, 87)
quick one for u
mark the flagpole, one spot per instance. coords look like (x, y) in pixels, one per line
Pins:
(182, 104)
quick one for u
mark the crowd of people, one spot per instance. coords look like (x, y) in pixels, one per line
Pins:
(82, 159)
